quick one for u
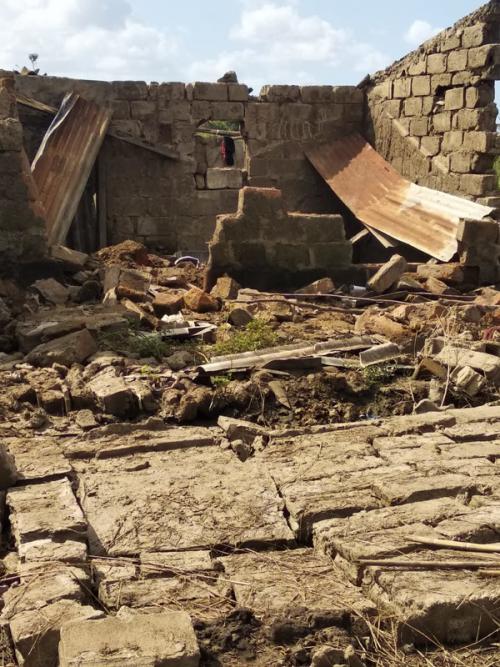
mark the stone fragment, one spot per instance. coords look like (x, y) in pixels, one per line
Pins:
(321, 286)
(468, 380)
(85, 419)
(36, 460)
(388, 275)
(240, 317)
(74, 348)
(374, 321)
(71, 259)
(180, 359)
(52, 291)
(225, 288)
(451, 274)
(47, 510)
(168, 303)
(36, 633)
(165, 638)
(200, 302)
(454, 357)
(141, 313)
(436, 286)
(114, 395)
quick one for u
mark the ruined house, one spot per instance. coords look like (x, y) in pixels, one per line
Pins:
(323, 490)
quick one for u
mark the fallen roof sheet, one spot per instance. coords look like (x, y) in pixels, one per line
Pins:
(63, 163)
(385, 201)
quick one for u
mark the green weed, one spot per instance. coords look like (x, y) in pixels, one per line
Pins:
(379, 374)
(255, 336)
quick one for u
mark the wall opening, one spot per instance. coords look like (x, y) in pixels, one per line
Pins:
(221, 155)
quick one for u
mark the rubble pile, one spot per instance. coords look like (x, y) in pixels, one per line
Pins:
(123, 381)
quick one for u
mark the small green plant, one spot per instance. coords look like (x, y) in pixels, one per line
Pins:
(221, 381)
(255, 336)
(134, 341)
(379, 374)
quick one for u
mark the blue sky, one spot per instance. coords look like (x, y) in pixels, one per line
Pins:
(273, 41)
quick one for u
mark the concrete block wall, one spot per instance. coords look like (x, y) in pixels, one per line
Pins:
(169, 202)
(22, 228)
(433, 113)
(262, 245)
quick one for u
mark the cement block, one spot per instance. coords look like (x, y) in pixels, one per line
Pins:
(440, 81)
(171, 91)
(421, 85)
(114, 395)
(165, 638)
(419, 127)
(402, 88)
(141, 109)
(213, 92)
(47, 510)
(233, 111)
(413, 106)
(237, 92)
(452, 141)
(480, 142)
(452, 42)
(454, 99)
(130, 90)
(225, 178)
(436, 63)
(316, 94)
(457, 61)
(388, 274)
(484, 56)
(417, 67)
(280, 93)
(460, 162)
(36, 633)
(74, 348)
(430, 146)
(474, 36)
(478, 185)
(442, 122)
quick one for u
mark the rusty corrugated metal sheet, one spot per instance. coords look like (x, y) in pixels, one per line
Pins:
(380, 198)
(65, 159)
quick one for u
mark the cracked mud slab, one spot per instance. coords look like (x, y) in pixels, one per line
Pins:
(186, 499)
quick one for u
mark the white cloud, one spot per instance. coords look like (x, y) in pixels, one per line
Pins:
(84, 38)
(419, 32)
(273, 40)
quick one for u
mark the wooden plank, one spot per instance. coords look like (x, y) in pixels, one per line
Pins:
(102, 211)
(154, 148)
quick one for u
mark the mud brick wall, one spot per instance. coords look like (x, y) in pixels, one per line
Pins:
(263, 245)
(174, 203)
(22, 228)
(433, 113)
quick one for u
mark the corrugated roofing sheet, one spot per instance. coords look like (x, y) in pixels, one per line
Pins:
(381, 198)
(65, 159)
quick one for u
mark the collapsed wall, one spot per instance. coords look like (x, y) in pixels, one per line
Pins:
(22, 227)
(173, 201)
(433, 114)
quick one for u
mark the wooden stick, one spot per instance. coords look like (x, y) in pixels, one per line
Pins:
(489, 573)
(459, 546)
(433, 564)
